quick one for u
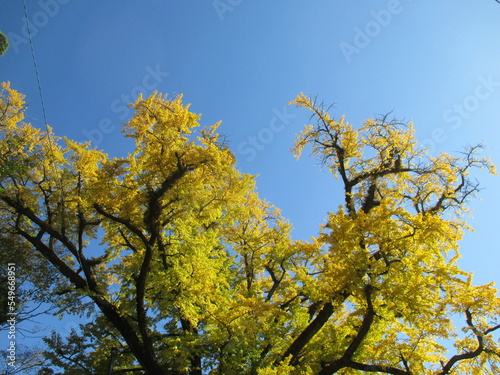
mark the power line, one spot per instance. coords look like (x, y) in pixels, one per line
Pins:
(51, 147)
(36, 66)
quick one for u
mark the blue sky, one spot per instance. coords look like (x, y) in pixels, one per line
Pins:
(435, 63)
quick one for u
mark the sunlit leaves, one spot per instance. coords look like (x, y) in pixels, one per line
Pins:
(398, 232)
(190, 272)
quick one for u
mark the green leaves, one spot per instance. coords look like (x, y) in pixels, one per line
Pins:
(4, 43)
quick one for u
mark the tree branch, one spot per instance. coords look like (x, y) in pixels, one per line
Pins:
(447, 368)
(346, 359)
(308, 333)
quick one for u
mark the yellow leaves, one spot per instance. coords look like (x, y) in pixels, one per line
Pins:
(481, 301)
(383, 154)
(219, 272)
(85, 161)
(302, 101)
(302, 140)
(491, 168)
(11, 107)
(388, 138)
(350, 139)
(160, 120)
(282, 369)
(333, 137)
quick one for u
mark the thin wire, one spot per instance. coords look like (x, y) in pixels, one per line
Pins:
(46, 123)
(36, 67)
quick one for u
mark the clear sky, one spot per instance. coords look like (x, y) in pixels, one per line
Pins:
(434, 62)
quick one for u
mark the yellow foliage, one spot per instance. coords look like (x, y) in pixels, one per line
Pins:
(193, 270)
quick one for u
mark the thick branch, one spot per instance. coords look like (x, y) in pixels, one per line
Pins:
(308, 333)
(145, 357)
(276, 282)
(140, 296)
(140, 280)
(365, 325)
(51, 256)
(120, 220)
(447, 368)
(42, 224)
(195, 360)
(154, 209)
(377, 368)
(346, 359)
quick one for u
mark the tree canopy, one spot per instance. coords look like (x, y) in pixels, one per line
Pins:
(4, 43)
(182, 269)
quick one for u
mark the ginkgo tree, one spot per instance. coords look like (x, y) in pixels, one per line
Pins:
(180, 267)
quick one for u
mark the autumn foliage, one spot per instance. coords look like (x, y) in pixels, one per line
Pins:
(183, 269)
